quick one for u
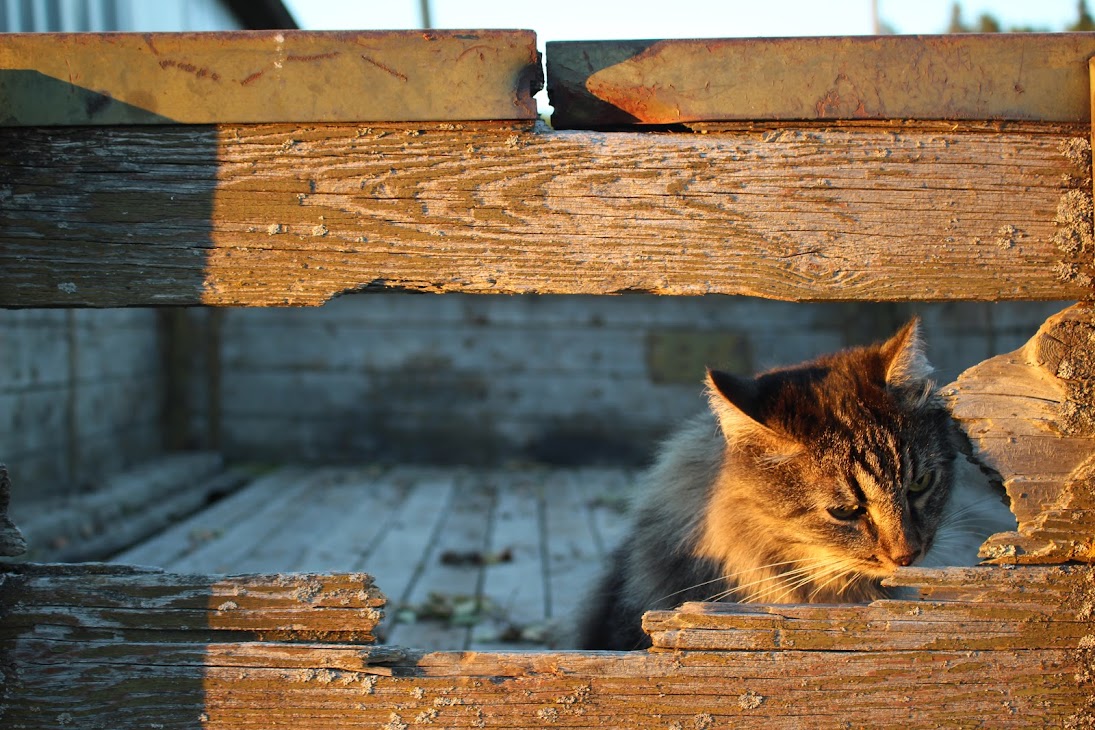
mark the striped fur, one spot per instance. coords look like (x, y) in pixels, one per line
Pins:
(805, 484)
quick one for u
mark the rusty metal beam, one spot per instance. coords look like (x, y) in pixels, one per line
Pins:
(267, 76)
(1022, 76)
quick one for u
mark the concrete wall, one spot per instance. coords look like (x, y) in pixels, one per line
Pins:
(80, 394)
(478, 379)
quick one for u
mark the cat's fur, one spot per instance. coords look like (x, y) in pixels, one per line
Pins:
(804, 484)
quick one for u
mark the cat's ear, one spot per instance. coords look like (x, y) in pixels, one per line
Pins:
(903, 357)
(733, 400)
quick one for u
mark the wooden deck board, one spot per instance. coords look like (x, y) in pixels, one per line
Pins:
(185, 542)
(513, 580)
(395, 524)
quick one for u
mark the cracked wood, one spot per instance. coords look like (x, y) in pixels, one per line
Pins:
(293, 215)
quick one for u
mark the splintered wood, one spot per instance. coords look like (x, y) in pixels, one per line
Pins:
(1029, 416)
(774, 667)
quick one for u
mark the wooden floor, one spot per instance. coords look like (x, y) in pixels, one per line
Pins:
(469, 558)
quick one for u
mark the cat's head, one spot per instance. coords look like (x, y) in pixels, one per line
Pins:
(847, 458)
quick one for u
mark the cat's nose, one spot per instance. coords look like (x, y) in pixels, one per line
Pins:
(906, 559)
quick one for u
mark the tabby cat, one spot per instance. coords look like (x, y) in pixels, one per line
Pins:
(805, 484)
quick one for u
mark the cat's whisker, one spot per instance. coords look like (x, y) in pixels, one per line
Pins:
(828, 566)
(838, 576)
(813, 565)
(728, 577)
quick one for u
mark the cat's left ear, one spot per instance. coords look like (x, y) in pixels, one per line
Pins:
(903, 357)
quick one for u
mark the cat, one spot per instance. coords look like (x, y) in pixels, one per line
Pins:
(805, 484)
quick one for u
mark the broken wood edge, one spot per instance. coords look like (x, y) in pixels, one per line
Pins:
(1030, 419)
(12, 542)
(984, 608)
(267, 219)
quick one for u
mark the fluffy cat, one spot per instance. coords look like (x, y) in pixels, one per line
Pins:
(805, 484)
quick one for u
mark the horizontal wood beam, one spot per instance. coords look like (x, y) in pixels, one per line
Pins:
(92, 600)
(265, 215)
(267, 76)
(1018, 76)
(867, 665)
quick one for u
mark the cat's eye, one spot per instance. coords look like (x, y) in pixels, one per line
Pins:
(846, 512)
(922, 483)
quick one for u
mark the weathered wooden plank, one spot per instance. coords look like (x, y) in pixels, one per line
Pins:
(196, 544)
(446, 600)
(125, 508)
(1032, 76)
(39, 599)
(514, 585)
(12, 541)
(322, 686)
(267, 76)
(1031, 417)
(572, 559)
(397, 557)
(283, 215)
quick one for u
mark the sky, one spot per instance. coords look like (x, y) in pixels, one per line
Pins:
(557, 20)
(617, 19)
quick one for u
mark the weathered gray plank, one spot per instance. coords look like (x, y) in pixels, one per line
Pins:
(194, 545)
(345, 536)
(598, 84)
(514, 577)
(280, 215)
(267, 76)
(446, 596)
(573, 560)
(399, 556)
(123, 509)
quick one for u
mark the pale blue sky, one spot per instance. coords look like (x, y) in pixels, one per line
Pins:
(612, 19)
(618, 19)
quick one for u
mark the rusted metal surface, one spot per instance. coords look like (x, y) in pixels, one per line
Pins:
(267, 76)
(1027, 76)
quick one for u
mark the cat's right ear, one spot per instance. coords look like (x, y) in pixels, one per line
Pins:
(733, 400)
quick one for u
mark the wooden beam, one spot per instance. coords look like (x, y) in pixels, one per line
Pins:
(1029, 609)
(267, 76)
(1031, 417)
(12, 541)
(245, 685)
(1027, 76)
(91, 600)
(291, 215)
(132, 651)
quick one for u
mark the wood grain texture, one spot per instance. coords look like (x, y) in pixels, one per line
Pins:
(70, 603)
(1031, 608)
(1030, 415)
(250, 685)
(291, 215)
(267, 76)
(598, 84)
(124, 675)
